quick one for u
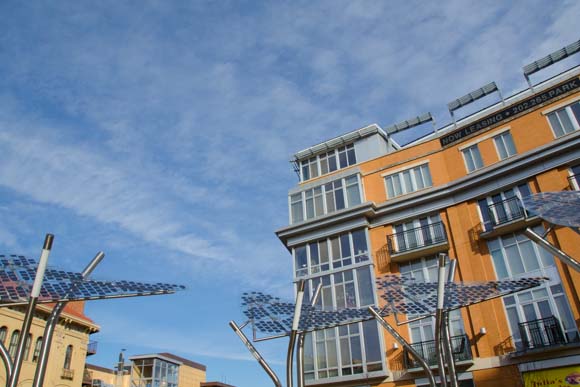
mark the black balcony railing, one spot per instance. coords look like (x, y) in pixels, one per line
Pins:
(541, 333)
(459, 345)
(92, 348)
(574, 181)
(506, 211)
(416, 238)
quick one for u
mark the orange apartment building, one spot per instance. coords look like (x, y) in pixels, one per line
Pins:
(366, 206)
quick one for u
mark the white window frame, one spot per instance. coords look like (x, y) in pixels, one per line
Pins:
(500, 138)
(318, 165)
(570, 114)
(415, 172)
(472, 154)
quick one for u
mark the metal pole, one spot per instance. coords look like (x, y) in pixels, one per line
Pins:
(301, 337)
(27, 322)
(293, 333)
(8, 365)
(447, 347)
(406, 345)
(52, 322)
(439, 319)
(256, 354)
(552, 249)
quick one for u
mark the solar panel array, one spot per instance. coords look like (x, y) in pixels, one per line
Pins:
(561, 208)
(270, 315)
(17, 275)
(407, 296)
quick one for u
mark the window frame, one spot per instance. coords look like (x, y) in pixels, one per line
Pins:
(472, 155)
(315, 163)
(500, 138)
(416, 174)
(571, 115)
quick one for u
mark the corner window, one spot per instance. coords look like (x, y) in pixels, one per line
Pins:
(327, 162)
(407, 181)
(472, 157)
(504, 144)
(565, 120)
(325, 199)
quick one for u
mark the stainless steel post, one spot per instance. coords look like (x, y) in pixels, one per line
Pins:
(301, 337)
(406, 345)
(293, 333)
(552, 249)
(8, 365)
(256, 354)
(447, 345)
(52, 322)
(439, 319)
(26, 323)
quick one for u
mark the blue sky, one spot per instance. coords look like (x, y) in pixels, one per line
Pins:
(160, 133)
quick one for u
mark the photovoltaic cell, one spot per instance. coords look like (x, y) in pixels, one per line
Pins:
(17, 275)
(561, 208)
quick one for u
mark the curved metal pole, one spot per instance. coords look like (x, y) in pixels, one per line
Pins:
(552, 249)
(8, 365)
(52, 322)
(256, 354)
(439, 320)
(27, 321)
(406, 345)
(301, 338)
(293, 333)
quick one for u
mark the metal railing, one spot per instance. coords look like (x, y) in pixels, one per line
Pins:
(416, 238)
(574, 181)
(67, 374)
(506, 211)
(459, 344)
(541, 333)
(92, 348)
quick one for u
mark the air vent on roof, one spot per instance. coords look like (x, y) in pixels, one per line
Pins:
(549, 60)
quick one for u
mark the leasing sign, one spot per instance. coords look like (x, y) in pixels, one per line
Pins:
(506, 113)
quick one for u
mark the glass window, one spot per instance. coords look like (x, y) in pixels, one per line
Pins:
(37, 347)
(301, 261)
(296, 208)
(27, 347)
(504, 144)
(13, 343)
(408, 181)
(565, 120)
(68, 357)
(472, 157)
(3, 333)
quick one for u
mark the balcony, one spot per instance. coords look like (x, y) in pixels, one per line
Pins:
(87, 377)
(92, 348)
(417, 242)
(574, 182)
(459, 345)
(67, 374)
(542, 333)
(506, 216)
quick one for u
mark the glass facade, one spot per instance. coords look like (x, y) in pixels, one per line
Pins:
(154, 372)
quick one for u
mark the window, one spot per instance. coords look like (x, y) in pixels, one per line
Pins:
(27, 347)
(408, 181)
(13, 344)
(154, 372)
(504, 144)
(325, 199)
(515, 256)
(3, 333)
(37, 347)
(565, 120)
(472, 158)
(503, 207)
(350, 349)
(417, 233)
(68, 357)
(327, 162)
(331, 253)
(574, 177)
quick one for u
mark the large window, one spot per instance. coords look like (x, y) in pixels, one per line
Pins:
(514, 256)
(346, 350)
(472, 157)
(325, 199)
(327, 162)
(154, 372)
(503, 207)
(417, 233)
(504, 144)
(565, 120)
(331, 253)
(409, 180)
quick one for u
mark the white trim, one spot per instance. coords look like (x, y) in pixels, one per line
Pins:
(483, 138)
(408, 166)
(497, 149)
(549, 363)
(561, 105)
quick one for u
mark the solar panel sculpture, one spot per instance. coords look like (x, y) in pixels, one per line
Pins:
(559, 209)
(24, 282)
(270, 315)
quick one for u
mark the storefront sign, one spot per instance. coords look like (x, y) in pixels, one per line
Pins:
(506, 113)
(553, 377)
